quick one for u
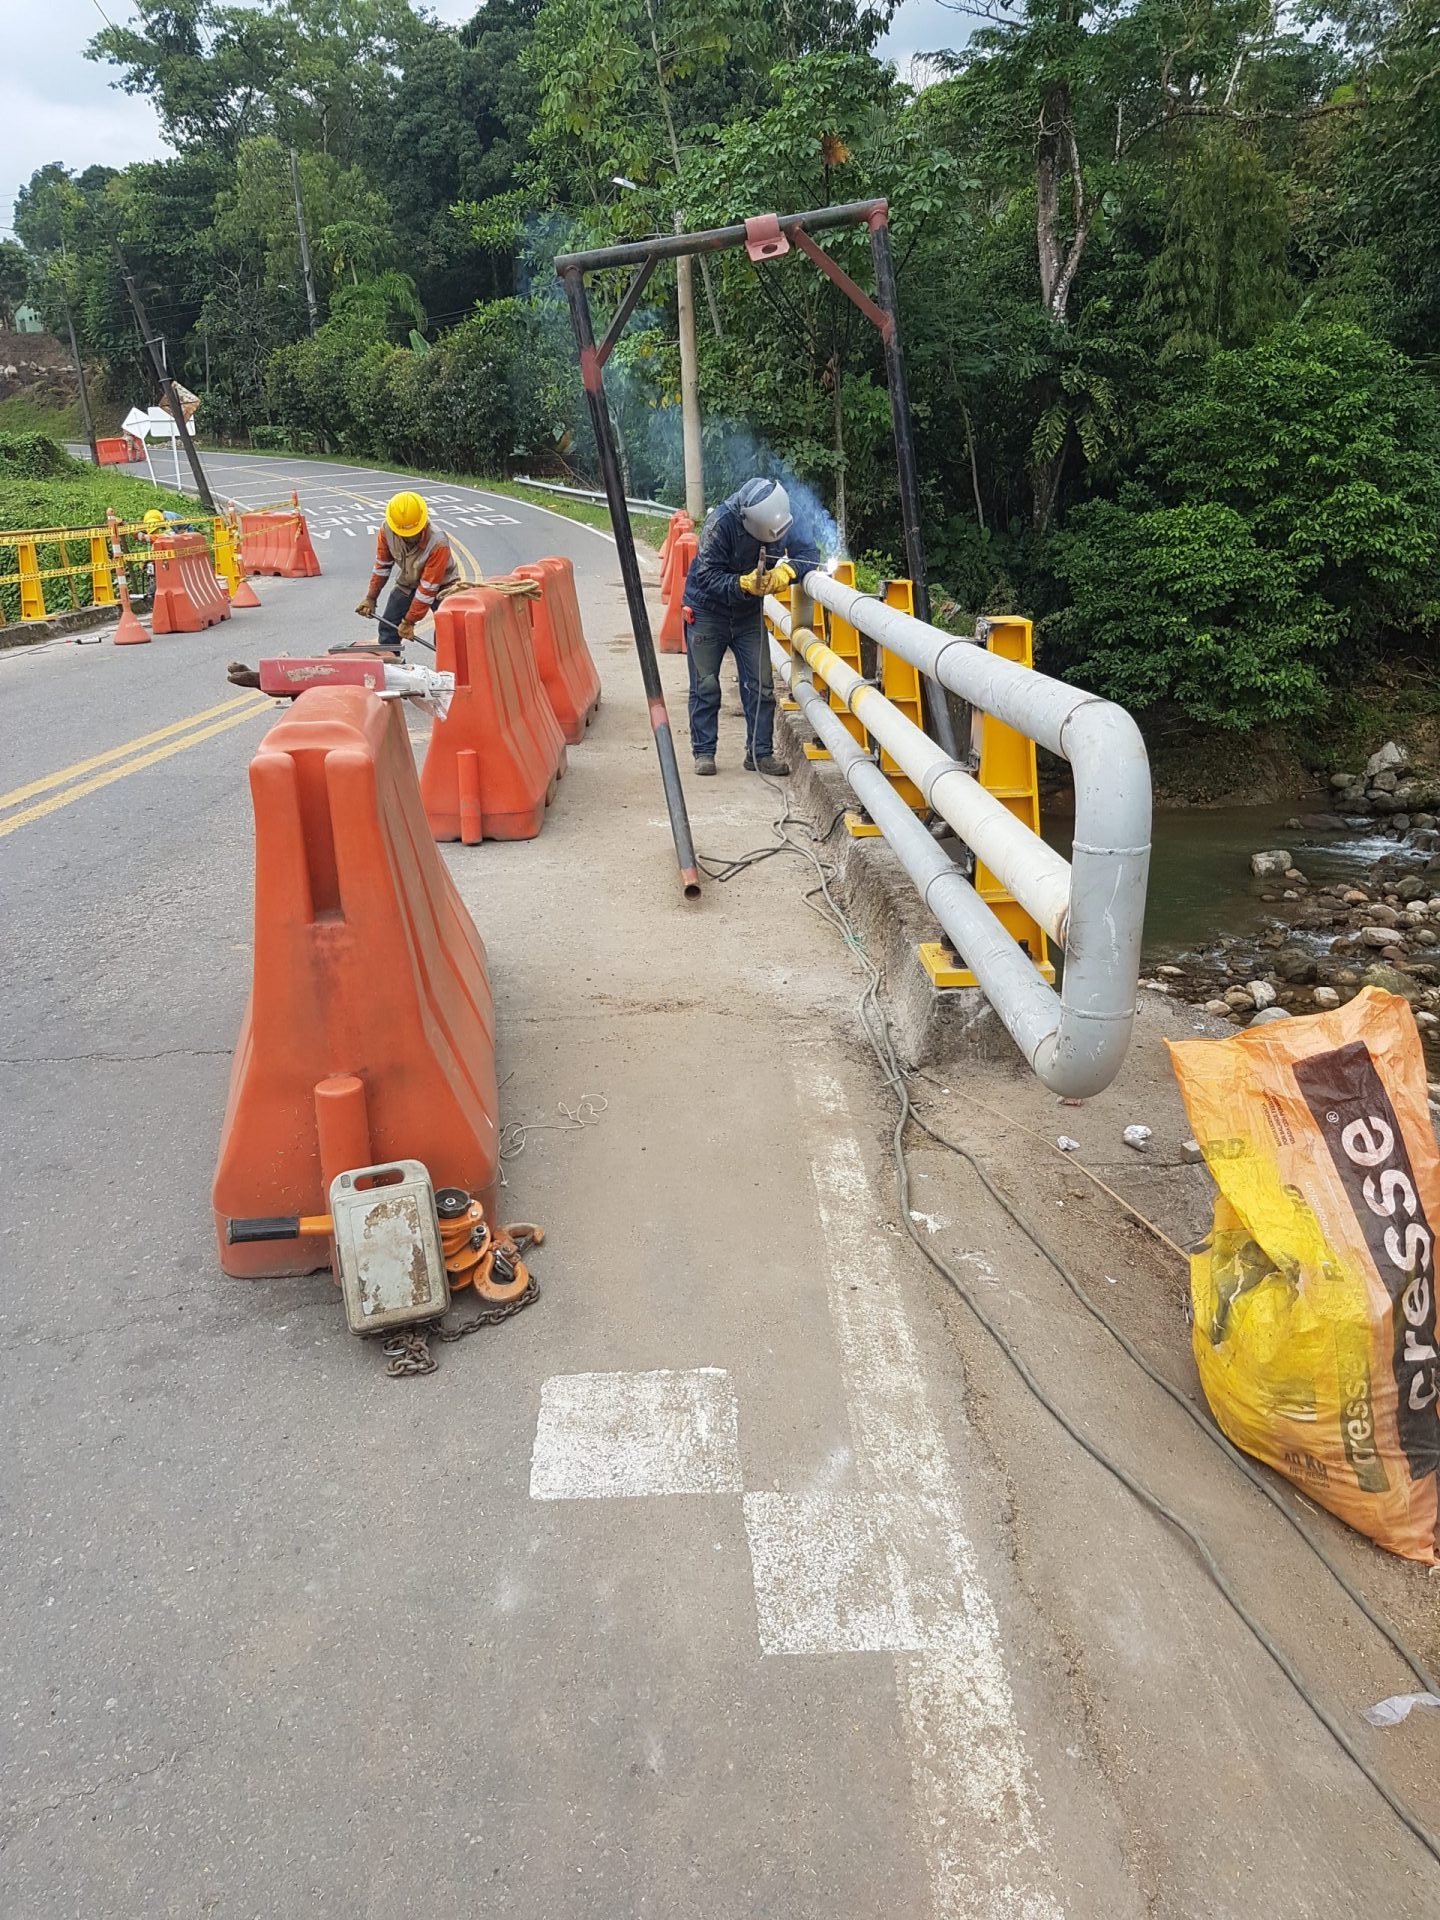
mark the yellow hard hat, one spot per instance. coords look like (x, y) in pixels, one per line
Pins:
(154, 520)
(406, 515)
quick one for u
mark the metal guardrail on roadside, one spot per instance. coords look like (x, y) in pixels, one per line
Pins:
(1092, 905)
(591, 493)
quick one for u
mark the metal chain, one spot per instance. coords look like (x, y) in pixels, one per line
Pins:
(407, 1350)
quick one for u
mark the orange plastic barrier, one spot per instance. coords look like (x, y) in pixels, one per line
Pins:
(567, 672)
(370, 1032)
(120, 451)
(188, 597)
(680, 522)
(494, 760)
(672, 626)
(278, 543)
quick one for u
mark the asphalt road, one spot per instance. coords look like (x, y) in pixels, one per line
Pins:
(739, 1576)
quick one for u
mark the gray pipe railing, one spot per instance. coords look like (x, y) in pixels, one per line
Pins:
(1074, 1040)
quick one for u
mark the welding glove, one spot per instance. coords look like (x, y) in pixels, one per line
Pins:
(406, 629)
(366, 608)
(782, 575)
(754, 582)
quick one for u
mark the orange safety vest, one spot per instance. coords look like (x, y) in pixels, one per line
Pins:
(426, 566)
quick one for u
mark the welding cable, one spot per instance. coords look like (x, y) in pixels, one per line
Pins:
(1182, 1400)
(875, 1023)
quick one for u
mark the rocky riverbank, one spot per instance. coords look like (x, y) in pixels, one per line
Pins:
(1313, 946)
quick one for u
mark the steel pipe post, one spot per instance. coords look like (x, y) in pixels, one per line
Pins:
(634, 587)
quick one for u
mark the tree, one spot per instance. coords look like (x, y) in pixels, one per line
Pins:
(14, 280)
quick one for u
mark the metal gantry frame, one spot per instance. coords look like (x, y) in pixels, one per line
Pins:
(768, 237)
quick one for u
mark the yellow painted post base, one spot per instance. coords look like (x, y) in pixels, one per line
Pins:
(812, 752)
(945, 970)
(859, 828)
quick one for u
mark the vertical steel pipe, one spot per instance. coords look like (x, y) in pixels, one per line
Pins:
(593, 377)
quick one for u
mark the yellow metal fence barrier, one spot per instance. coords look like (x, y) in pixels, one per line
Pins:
(80, 557)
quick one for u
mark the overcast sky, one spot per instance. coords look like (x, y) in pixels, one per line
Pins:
(57, 105)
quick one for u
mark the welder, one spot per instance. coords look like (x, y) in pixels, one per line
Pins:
(419, 555)
(749, 546)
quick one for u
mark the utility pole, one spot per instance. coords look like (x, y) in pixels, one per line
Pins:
(304, 242)
(177, 412)
(85, 412)
(690, 390)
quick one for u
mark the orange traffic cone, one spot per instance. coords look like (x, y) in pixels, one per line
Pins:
(129, 633)
(244, 594)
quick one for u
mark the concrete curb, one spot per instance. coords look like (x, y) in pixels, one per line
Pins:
(56, 626)
(931, 1026)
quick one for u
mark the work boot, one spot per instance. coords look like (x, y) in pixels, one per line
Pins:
(767, 763)
(704, 763)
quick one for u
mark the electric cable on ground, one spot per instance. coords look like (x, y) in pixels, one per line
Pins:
(875, 1023)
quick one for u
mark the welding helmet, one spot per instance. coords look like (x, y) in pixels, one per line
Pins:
(764, 510)
(406, 515)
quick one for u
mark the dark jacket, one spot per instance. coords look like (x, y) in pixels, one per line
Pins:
(727, 551)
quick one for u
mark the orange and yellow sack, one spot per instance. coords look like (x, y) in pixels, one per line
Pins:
(1315, 1316)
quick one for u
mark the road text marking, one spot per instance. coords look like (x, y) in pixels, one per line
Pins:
(625, 1435)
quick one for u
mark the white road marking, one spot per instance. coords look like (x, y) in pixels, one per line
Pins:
(891, 1569)
(624, 1435)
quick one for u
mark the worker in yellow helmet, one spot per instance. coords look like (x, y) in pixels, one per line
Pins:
(418, 554)
(153, 522)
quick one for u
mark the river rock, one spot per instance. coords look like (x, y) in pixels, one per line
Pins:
(1401, 822)
(1375, 913)
(1384, 782)
(1391, 758)
(1339, 781)
(1380, 936)
(1267, 1014)
(1217, 1006)
(1424, 821)
(1290, 894)
(1270, 866)
(1294, 966)
(1261, 992)
(1296, 877)
(1325, 997)
(1410, 887)
(1392, 980)
(1239, 999)
(1385, 803)
(1172, 973)
(1427, 1020)
(1415, 793)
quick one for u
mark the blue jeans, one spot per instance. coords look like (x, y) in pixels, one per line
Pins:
(742, 632)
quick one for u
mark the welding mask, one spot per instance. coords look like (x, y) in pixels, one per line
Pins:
(764, 510)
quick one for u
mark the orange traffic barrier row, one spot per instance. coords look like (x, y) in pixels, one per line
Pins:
(369, 1035)
(672, 586)
(567, 672)
(680, 522)
(189, 596)
(278, 543)
(494, 760)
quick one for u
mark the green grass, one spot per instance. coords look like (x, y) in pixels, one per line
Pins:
(21, 413)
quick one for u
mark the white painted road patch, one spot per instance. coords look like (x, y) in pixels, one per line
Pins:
(621, 1436)
(858, 1573)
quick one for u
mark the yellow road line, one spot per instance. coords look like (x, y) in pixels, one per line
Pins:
(17, 794)
(58, 800)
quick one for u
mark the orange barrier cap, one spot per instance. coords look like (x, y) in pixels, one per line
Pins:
(499, 713)
(567, 669)
(370, 1023)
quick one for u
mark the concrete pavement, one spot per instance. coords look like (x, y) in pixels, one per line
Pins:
(736, 1578)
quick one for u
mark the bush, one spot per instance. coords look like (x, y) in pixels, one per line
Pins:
(34, 456)
(1284, 522)
(1182, 604)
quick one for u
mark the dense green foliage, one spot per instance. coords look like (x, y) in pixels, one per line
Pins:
(1169, 275)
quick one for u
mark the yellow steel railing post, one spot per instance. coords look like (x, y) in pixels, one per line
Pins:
(1008, 771)
(32, 588)
(102, 583)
